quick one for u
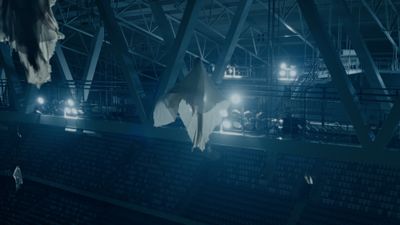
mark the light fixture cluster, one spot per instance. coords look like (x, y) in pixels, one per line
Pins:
(236, 100)
(232, 72)
(287, 72)
(70, 111)
(67, 108)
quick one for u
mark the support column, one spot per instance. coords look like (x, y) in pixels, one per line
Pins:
(178, 49)
(121, 51)
(335, 67)
(370, 70)
(62, 62)
(91, 64)
(166, 29)
(389, 126)
(15, 88)
(2, 84)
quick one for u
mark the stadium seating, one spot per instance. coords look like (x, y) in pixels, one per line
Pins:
(223, 185)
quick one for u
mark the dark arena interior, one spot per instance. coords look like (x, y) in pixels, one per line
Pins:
(242, 112)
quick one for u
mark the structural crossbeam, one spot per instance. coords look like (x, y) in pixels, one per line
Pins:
(62, 62)
(120, 49)
(166, 29)
(232, 38)
(335, 67)
(177, 51)
(162, 21)
(286, 25)
(380, 24)
(370, 70)
(91, 64)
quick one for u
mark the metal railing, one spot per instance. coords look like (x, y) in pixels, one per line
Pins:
(279, 111)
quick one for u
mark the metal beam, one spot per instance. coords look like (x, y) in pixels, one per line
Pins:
(92, 62)
(370, 70)
(392, 121)
(120, 48)
(385, 31)
(162, 21)
(107, 42)
(204, 29)
(293, 147)
(335, 67)
(165, 27)
(232, 38)
(178, 49)
(16, 90)
(215, 35)
(62, 62)
(287, 26)
(2, 85)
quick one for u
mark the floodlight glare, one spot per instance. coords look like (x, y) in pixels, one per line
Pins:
(283, 66)
(236, 99)
(293, 73)
(282, 73)
(40, 100)
(70, 102)
(226, 124)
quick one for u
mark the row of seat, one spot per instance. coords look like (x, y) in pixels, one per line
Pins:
(222, 185)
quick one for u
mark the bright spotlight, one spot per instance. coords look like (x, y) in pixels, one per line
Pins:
(293, 73)
(236, 99)
(282, 73)
(226, 124)
(223, 113)
(70, 102)
(40, 100)
(283, 66)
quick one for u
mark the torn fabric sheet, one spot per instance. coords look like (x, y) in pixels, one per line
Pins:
(198, 103)
(31, 29)
(17, 175)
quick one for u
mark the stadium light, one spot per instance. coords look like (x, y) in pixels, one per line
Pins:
(70, 102)
(40, 100)
(227, 124)
(287, 72)
(236, 99)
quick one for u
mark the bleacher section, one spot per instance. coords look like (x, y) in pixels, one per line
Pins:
(39, 204)
(224, 186)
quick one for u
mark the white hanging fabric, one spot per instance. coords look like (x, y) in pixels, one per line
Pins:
(17, 175)
(31, 29)
(198, 103)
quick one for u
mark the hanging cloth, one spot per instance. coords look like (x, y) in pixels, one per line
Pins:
(198, 103)
(31, 29)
